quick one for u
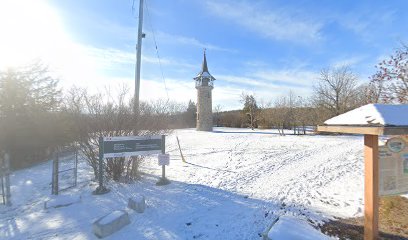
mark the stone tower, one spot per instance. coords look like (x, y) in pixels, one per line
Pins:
(204, 86)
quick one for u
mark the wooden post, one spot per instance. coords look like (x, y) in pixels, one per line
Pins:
(371, 199)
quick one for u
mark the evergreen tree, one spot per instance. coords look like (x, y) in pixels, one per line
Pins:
(29, 119)
(190, 114)
(250, 109)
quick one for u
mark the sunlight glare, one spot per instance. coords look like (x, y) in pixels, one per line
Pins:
(30, 30)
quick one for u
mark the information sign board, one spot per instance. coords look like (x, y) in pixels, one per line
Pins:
(131, 146)
(393, 163)
(128, 146)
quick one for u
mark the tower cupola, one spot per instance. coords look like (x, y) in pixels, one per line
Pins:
(204, 78)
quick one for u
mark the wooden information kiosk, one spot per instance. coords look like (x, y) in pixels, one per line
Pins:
(372, 120)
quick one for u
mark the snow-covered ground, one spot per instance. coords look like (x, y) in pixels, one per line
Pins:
(234, 184)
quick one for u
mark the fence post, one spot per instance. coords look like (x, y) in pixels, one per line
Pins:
(7, 178)
(76, 167)
(55, 170)
(2, 181)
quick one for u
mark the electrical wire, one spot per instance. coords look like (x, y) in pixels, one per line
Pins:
(157, 51)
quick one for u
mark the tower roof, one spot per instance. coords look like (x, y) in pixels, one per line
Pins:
(204, 69)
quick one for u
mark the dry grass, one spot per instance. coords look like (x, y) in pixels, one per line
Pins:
(393, 222)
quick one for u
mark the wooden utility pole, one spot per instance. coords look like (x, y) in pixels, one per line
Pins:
(371, 199)
(140, 35)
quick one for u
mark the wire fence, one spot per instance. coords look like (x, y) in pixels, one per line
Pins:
(64, 169)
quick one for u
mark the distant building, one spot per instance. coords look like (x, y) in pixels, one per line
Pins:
(204, 86)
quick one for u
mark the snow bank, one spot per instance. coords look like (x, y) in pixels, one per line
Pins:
(373, 114)
(61, 201)
(292, 228)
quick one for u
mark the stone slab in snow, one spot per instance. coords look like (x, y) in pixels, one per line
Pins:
(61, 201)
(288, 227)
(110, 223)
(137, 203)
(373, 114)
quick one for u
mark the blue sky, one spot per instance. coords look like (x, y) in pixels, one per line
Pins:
(263, 47)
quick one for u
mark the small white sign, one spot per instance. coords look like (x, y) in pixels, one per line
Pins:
(164, 159)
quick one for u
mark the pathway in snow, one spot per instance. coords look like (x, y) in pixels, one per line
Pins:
(318, 172)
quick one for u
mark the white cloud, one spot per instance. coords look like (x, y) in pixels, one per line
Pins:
(265, 85)
(347, 61)
(177, 89)
(366, 23)
(183, 40)
(296, 78)
(279, 24)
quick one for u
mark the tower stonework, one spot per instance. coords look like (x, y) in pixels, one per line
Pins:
(204, 86)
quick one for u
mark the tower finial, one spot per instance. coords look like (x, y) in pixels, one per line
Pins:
(204, 67)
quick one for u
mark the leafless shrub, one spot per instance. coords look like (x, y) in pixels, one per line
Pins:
(105, 115)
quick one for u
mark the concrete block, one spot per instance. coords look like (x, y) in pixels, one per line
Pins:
(137, 203)
(110, 223)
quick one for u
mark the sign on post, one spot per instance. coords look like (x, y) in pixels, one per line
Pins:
(164, 159)
(393, 160)
(129, 146)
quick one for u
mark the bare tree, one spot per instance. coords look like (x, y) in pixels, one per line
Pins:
(217, 112)
(335, 91)
(280, 114)
(265, 114)
(104, 115)
(390, 82)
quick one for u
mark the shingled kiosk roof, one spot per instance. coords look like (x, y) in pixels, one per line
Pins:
(374, 119)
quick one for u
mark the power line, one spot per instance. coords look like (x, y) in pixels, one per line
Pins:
(157, 51)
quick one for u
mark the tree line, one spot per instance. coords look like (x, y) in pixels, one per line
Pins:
(336, 91)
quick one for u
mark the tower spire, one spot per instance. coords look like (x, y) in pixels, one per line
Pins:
(204, 73)
(204, 67)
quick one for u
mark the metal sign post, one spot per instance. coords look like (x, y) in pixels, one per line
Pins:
(101, 189)
(165, 159)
